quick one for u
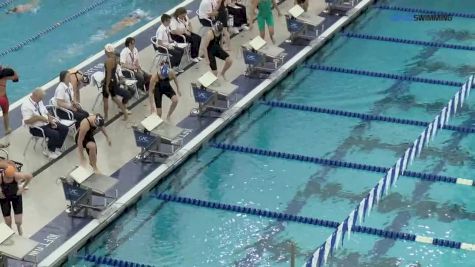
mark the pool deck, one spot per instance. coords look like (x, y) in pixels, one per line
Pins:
(46, 222)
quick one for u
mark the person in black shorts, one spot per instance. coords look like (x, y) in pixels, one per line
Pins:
(85, 139)
(214, 49)
(12, 185)
(111, 84)
(159, 86)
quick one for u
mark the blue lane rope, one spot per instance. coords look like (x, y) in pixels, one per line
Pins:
(363, 116)
(338, 163)
(112, 262)
(406, 41)
(50, 29)
(382, 75)
(305, 220)
(6, 3)
(426, 11)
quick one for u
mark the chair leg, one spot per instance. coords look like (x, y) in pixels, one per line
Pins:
(27, 145)
(95, 102)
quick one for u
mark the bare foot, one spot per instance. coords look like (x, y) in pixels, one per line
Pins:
(97, 171)
(224, 76)
(8, 131)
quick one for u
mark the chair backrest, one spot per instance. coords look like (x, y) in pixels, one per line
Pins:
(53, 102)
(97, 78)
(153, 40)
(201, 95)
(293, 25)
(252, 58)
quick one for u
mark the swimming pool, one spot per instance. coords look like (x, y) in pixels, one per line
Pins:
(171, 234)
(41, 60)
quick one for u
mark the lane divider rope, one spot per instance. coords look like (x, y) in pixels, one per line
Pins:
(338, 163)
(6, 3)
(406, 41)
(381, 189)
(111, 262)
(363, 116)
(313, 221)
(382, 75)
(426, 11)
(50, 29)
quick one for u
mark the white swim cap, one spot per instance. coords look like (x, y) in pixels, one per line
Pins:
(109, 48)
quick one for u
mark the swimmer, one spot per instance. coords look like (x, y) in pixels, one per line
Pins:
(131, 20)
(24, 8)
(85, 139)
(5, 75)
(12, 185)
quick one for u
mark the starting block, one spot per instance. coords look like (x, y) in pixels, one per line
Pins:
(79, 188)
(13, 246)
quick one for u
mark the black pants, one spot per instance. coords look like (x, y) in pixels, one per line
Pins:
(56, 136)
(143, 78)
(205, 22)
(79, 115)
(193, 39)
(176, 54)
(239, 15)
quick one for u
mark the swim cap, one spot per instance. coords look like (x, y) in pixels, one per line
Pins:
(10, 171)
(99, 121)
(164, 70)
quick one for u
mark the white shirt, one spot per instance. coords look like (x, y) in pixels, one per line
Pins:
(128, 57)
(178, 24)
(163, 35)
(206, 7)
(65, 93)
(30, 108)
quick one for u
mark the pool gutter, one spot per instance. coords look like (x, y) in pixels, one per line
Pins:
(72, 245)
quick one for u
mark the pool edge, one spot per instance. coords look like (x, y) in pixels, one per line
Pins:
(68, 248)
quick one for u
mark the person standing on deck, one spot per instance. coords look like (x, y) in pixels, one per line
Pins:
(264, 16)
(5, 75)
(12, 186)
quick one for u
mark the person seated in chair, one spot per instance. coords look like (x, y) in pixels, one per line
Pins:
(164, 39)
(129, 59)
(35, 115)
(12, 185)
(5, 75)
(181, 26)
(159, 86)
(64, 98)
(239, 13)
(85, 139)
(207, 12)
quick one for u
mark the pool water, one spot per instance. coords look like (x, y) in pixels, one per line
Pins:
(172, 234)
(41, 61)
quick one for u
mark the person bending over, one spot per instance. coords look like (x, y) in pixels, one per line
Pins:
(5, 75)
(159, 86)
(64, 97)
(78, 81)
(12, 185)
(213, 49)
(85, 139)
(111, 84)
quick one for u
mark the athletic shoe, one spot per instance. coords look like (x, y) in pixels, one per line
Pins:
(196, 60)
(244, 28)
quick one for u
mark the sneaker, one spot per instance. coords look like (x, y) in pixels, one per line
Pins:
(244, 28)
(234, 30)
(179, 70)
(196, 60)
(51, 155)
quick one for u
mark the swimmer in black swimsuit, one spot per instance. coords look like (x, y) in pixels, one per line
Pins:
(159, 86)
(111, 84)
(11, 191)
(85, 139)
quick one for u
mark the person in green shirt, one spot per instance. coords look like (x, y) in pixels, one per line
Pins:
(264, 16)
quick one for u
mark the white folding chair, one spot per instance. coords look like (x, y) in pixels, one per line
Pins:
(130, 80)
(204, 29)
(70, 122)
(97, 78)
(159, 56)
(35, 139)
